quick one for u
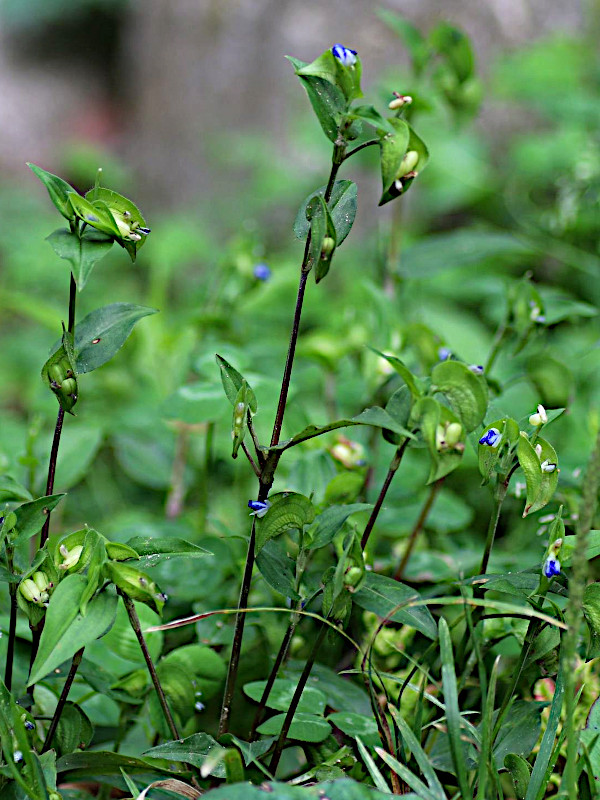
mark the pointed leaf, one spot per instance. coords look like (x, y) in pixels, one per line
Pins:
(382, 595)
(467, 392)
(342, 207)
(280, 697)
(327, 524)
(103, 332)
(58, 190)
(232, 382)
(82, 253)
(289, 511)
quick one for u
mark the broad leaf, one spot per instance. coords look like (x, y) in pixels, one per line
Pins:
(30, 517)
(342, 207)
(277, 569)
(58, 190)
(232, 382)
(327, 524)
(280, 697)
(383, 595)
(289, 511)
(305, 727)
(66, 630)
(82, 253)
(540, 485)
(467, 392)
(103, 332)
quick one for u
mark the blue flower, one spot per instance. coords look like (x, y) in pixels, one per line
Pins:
(262, 272)
(259, 507)
(476, 369)
(551, 567)
(491, 437)
(344, 54)
(444, 353)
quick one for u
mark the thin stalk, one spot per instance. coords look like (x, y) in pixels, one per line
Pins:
(134, 621)
(59, 419)
(279, 659)
(395, 463)
(501, 490)
(12, 624)
(296, 699)
(362, 146)
(63, 699)
(496, 347)
(251, 461)
(238, 634)
(418, 527)
(269, 463)
(574, 613)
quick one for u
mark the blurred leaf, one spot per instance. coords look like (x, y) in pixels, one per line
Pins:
(329, 522)
(356, 725)
(75, 731)
(11, 490)
(467, 392)
(411, 37)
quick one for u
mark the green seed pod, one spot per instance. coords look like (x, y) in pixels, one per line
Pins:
(29, 591)
(69, 386)
(327, 247)
(67, 393)
(409, 162)
(41, 581)
(353, 577)
(453, 433)
(56, 373)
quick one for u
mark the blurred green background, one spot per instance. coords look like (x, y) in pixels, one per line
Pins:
(192, 112)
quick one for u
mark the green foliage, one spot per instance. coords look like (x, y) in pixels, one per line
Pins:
(398, 629)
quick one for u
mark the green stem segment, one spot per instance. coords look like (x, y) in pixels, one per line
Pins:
(296, 699)
(12, 624)
(134, 621)
(63, 699)
(269, 464)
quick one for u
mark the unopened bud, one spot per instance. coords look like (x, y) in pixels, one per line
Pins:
(71, 556)
(41, 581)
(327, 247)
(30, 591)
(453, 433)
(409, 162)
(399, 101)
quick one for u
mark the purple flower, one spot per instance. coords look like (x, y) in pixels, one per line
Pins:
(444, 353)
(262, 272)
(491, 438)
(476, 369)
(259, 507)
(344, 54)
(551, 567)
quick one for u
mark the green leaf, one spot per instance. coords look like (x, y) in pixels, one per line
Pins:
(232, 382)
(379, 418)
(76, 766)
(322, 230)
(277, 569)
(552, 379)
(135, 584)
(82, 253)
(98, 217)
(411, 37)
(327, 100)
(202, 664)
(453, 717)
(327, 524)
(194, 750)
(393, 147)
(11, 490)
(520, 772)
(431, 415)
(331, 69)
(519, 732)
(31, 516)
(467, 392)
(371, 116)
(382, 595)
(75, 731)
(409, 379)
(103, 332)
(591, 606)
(304, 727)
(536, 787)
(194, 403)
(413, 746)
(540, 485)
(58, 190)
(372, 768)
(238, 422)
(312, 700)
(289, 511)
(356, 725)
(122, 209)
(452, 43)
(342, 207)
(66, 630)
(156, 550)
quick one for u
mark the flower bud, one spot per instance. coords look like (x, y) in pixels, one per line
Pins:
(29, 591)
(540, 417)
(56, 373)
(327, 247)
(453, 433)
(409, 162)
(41, 581)
(353, 577)
(71, 557)
(399, 101)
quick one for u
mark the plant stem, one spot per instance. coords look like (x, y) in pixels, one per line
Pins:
(574, 613)
(268, 464)
(63, 699)
(501, 490)
(296, 699)
(395, 463)
(279, 659)
(251, 461)
(12, 625)
(496, 347)
(418, 527)
(362, 146)
(137, 629)
(59, 419)
(238, 634)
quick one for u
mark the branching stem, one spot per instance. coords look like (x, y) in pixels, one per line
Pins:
(396, 460)
(63, 699)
